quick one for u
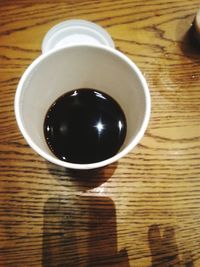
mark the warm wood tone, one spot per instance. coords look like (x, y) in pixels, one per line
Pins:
(142, 211)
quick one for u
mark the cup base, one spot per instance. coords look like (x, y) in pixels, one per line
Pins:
(75, 32)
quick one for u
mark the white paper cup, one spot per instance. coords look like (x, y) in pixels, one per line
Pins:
(81, 66)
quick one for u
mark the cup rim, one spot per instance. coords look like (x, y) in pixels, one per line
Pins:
(94, 165)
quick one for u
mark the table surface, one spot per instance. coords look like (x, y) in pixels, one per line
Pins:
(143, 210)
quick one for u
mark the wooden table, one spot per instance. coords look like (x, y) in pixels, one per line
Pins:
(145, 209)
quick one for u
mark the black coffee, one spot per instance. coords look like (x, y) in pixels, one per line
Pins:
(85, 126)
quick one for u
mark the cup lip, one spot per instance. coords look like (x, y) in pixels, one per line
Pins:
(94, 165)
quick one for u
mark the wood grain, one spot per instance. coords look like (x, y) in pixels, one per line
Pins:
(145, 209)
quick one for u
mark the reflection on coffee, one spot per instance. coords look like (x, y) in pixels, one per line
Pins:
(85, 126)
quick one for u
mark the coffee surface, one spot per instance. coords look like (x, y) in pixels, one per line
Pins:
(85, 126)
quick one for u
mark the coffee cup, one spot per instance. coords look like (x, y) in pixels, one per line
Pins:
(74, 65)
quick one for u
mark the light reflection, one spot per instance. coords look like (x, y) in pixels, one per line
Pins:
(63, 128)
(99, 189)
(100, 127)
(99, 95)
(48, 128)
(74, 93)
(120, 125)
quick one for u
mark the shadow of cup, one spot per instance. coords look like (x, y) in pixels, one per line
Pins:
(81, 180)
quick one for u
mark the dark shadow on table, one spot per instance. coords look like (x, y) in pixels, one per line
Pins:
(164, 248)
(80, 228)
(81, 231)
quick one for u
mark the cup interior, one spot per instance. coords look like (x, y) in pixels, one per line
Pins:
(74, 67)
